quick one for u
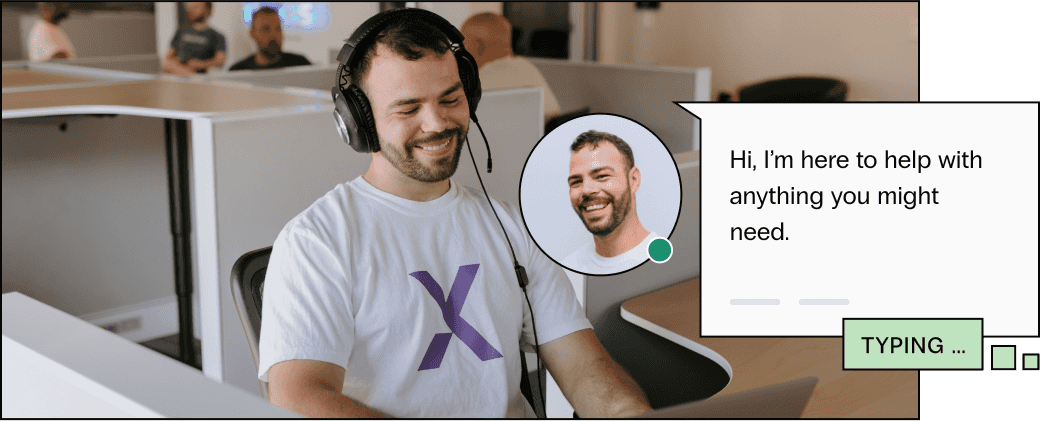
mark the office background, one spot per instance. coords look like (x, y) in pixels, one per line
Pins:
(986, 63)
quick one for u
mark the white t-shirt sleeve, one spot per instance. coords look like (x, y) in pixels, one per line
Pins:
(556, 308)
(307, 312)
(41, 45)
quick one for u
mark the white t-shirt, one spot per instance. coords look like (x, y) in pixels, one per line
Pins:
(517, 72)
(360, 279)
(46, 39)
(585, 259)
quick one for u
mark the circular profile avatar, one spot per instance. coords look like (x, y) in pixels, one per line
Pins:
(597, 191)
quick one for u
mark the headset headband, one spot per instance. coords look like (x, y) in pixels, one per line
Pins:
(365, 35)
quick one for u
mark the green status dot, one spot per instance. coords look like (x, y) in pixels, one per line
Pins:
(660, 250)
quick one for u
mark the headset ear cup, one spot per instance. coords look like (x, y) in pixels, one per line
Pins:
(368, 140)
(344, 118)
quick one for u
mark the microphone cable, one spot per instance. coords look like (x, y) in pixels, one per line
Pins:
(521, 273)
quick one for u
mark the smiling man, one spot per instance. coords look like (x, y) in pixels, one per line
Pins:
(603, 183)
(395, 293)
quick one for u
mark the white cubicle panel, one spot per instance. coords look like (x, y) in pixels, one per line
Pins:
(640, 92)
(271, 167)
(141, 63)
(57, 366)
(319, 77)
(21, 76)
(512, 120)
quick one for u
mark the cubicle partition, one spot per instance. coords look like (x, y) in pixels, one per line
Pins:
(58, 366)
(642, 93)
(320, 77)
(109, 135)
(512, 120)
(140, 63)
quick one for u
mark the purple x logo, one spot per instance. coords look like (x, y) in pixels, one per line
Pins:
(450, 310)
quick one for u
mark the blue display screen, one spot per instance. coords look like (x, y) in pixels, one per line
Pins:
(295, 16)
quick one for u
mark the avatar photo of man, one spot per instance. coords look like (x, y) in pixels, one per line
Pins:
(591, 210)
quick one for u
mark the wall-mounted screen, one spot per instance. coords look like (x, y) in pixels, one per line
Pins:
(310, 17)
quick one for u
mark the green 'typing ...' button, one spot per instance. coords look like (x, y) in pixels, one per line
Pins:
(912, 344)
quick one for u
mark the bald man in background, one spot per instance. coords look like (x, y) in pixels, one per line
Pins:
(489, 40)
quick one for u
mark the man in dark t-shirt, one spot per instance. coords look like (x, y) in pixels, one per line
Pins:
(266, 30)
(196, 48)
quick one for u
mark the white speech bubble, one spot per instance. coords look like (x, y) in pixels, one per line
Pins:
(972, 253)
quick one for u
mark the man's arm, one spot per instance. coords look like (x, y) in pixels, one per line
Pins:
(216, 61)
(312, 389)
(596, 385)
(172, 64)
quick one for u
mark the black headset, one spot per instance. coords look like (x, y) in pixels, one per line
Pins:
(353, 113)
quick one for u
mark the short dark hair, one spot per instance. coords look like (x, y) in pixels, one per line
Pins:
(408, 38)
(593, 138)
(263, 11)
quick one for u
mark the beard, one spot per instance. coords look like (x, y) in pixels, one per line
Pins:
(618, 212)
(403, 159)
(272, 50)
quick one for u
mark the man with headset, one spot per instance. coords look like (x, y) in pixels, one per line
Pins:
(402, 293)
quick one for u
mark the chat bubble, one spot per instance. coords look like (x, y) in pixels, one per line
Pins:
(816, 212)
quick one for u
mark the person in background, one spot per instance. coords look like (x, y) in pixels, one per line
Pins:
(48, 41)
(489, 40)
(266, 31)
(197, 47)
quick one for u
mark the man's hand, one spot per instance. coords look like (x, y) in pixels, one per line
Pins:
(313, 389)
(596, 385)
(196, 64)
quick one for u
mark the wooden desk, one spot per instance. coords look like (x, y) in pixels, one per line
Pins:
(160, 94)
(13, 78)
(674, 313)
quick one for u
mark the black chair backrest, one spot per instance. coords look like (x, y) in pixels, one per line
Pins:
(796, 89)
(247, 289)
(563, 118)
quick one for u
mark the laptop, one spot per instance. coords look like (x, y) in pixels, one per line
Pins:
(783, 400)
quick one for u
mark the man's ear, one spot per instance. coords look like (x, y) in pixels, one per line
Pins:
(634, 179)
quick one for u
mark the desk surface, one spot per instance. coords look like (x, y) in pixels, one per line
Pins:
(13, 78)
(155, 94)
(758, 362)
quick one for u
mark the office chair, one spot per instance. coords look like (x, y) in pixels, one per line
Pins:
(247, 289)
(563, 118)
(551, 43)
(796, 89)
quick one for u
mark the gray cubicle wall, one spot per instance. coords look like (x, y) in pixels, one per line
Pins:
(140, 63)
(319, 77)
(642, 93)
(669, 373)
(100, 182)
(273, 166)
(512, 120)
